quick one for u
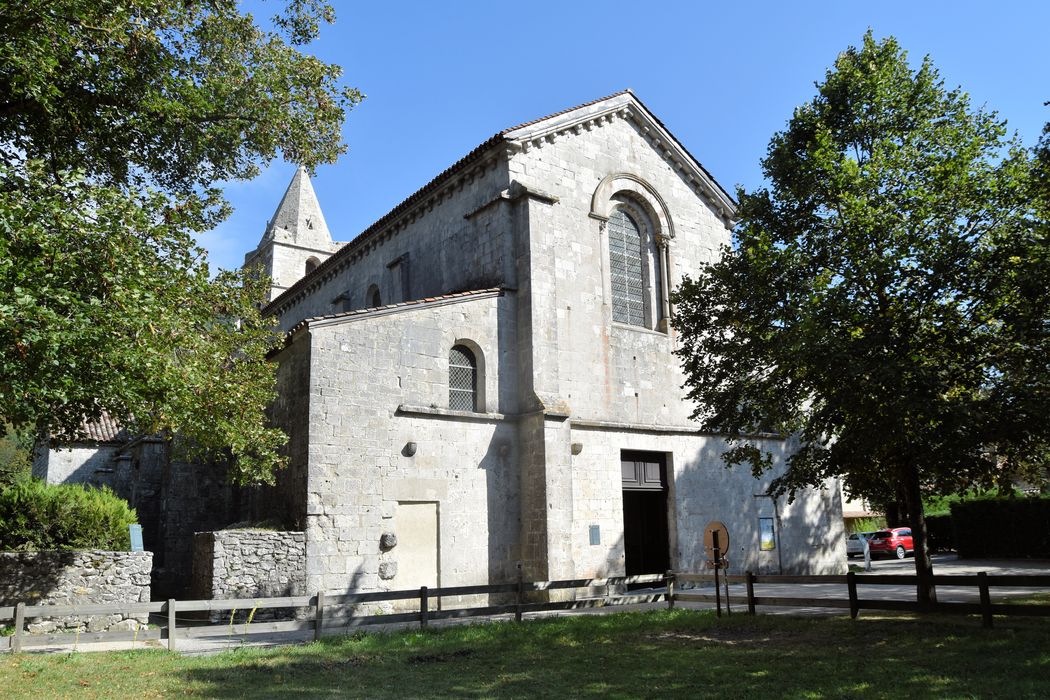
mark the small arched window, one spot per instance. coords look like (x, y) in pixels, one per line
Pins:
(462, 379)
(311, 264)
(373, 297)
(626, 268)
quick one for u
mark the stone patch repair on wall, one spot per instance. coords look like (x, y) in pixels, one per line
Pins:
(77, 578)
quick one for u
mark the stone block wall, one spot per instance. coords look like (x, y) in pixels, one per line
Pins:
(76, 578)
(453, 241)
(249, 564)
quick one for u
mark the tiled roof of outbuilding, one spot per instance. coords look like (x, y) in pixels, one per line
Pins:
(104, 429)
(388, 307)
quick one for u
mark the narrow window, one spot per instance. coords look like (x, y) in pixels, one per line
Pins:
(625, 267)
(311, 264)
(462, 379)
(373, 297)
(343, 302)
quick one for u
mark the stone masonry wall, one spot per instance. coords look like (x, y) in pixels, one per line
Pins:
(378, 383)
(456, 243)
(249, 564)
(76, 578)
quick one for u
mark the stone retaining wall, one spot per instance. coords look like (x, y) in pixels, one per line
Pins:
(76, 578)
(249, 564)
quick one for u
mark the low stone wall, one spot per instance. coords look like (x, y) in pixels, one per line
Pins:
(249, 564)
(76, 578)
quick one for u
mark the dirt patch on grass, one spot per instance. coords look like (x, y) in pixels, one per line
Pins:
(441, 658)
(744, 636)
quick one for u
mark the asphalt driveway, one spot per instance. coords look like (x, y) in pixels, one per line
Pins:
(943, 564)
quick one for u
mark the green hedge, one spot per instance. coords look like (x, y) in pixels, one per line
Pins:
(1006, 527)
(39, 516)
(940, 532)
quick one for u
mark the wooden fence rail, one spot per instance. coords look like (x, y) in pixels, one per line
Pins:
(854, 603)
(328, 612)
(324, 615)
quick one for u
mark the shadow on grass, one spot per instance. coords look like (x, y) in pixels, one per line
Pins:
(684, 653)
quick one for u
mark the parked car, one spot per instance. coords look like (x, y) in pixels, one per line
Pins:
(895, 541)
(854, 544)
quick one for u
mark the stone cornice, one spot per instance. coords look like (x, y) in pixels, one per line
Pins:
(614, 426)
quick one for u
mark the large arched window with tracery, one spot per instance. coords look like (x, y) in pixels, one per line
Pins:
(626, 269)
(462, 379)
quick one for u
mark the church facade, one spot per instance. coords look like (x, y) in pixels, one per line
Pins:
(486, 376)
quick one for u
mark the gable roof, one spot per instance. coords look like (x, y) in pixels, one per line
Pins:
(558, 121)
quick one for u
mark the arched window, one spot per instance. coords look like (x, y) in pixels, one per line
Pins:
(373, 297)
(462, 379)
(626, 269)
(311, 264)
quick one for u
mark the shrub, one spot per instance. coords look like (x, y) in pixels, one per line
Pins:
(1005, 527)
(16, 455)
(39, 516)
(868, 524)
(940, 532)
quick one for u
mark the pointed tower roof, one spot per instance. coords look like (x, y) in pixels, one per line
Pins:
(298, 218)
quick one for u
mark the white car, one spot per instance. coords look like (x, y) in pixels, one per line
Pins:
(854, 547)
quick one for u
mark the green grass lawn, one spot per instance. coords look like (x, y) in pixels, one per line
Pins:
(658, 654)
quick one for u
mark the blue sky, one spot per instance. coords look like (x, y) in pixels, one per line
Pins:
(723, 77)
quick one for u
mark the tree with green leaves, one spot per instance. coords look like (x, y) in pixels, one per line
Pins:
(117, 121)
(885, 299)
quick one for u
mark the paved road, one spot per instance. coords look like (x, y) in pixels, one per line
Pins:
(943, 564)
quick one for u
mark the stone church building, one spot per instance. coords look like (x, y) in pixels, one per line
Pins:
(486, 374)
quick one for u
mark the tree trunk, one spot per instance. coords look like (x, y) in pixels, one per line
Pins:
(897, 510)
(925, 592)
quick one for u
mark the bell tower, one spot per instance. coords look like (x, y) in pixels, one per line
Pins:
(296, 239)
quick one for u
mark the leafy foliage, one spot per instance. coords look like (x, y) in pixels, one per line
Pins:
(116, 121)
(16, 455)
(886, 297)
(1002, 527)
(39, 516)
(178, 94)
(939, 532)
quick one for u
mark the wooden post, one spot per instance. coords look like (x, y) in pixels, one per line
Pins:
(670, 589)
(986, 598)
(851, 586)
(20, 622)
(750, 593)
(171, 624)
(519, 595)
(319, 616)
(422, 606)
(718, 593)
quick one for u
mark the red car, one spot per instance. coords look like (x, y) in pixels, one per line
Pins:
(896, 541)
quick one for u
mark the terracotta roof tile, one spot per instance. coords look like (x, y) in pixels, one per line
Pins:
(104, 429)
(386, 307)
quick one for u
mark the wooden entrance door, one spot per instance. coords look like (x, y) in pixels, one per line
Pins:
(645, 533)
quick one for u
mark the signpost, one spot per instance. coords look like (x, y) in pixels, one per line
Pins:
(716, 542)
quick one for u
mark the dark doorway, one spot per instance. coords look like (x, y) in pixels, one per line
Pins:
(645, 537)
